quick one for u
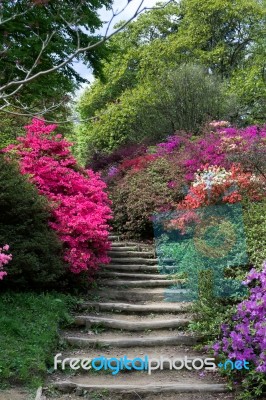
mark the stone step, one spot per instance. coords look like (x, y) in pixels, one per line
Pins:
(130, 267)
(164, 353)
(82, 341)
(134, 260)
(142, 294)
(131, 254)
(137, 283)
(159, 370)
(124, 248)
(114, 323)
(145, 387)
(132, 244)
(113, 237)
(167, 269)
(128, 275)
(142, 283)
(137, 308)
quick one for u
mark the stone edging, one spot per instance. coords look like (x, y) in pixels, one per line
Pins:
(39, 394)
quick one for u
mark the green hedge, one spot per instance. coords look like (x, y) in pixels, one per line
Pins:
(24, 227)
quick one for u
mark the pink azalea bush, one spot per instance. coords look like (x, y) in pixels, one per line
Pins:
(79, 204)
(4, 259)
(218, 145)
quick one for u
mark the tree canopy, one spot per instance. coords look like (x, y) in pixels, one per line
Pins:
(224, 37)
(38, 37)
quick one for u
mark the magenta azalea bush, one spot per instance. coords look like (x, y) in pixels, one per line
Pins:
(4, 259)
(172, 143)
(218, 145)
(240, 152)
(80, 207)
(244, 338)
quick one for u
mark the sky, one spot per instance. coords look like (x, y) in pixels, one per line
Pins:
(106, 16)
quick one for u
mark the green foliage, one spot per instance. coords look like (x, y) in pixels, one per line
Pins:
(118, 122)
(182, 98)
(209, 313)
(24, 226)
(187, 96)
(249, 84)
(142, 80)
(220, 32)
(129, 48)
(255, 229)
(253, 386)
(10, 128)
(204, 249)
(25, 28)
(29, 336)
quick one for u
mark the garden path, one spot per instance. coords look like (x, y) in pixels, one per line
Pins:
(133, 313)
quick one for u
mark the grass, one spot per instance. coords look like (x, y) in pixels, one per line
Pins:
(29, 335)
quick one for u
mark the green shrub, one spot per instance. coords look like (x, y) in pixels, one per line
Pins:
(138, 195)
(182, 98)
(11, 126)
(24, 227)
(255, 229)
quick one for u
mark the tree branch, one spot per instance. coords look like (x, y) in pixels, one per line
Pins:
(79, 50)
(45, 43)
(33, 115)
(11, 88)
(16, 15)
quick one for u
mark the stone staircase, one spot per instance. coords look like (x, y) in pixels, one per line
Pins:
(133, 313)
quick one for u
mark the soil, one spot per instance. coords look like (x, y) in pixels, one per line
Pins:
(16, 394)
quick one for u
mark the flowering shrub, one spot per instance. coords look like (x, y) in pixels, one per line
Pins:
(112, 171)
(217, 146)
(137, 164)
(219, 124)
(207, 167)
(183, 221)
(4, 259)
(172, 144)
(80, 206)
(186, 174)
(213, 185)
(245, 339)
(101, 161)
(138, 194)
(243, 336)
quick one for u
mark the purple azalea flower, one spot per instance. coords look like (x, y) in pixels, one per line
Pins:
(245, 339)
